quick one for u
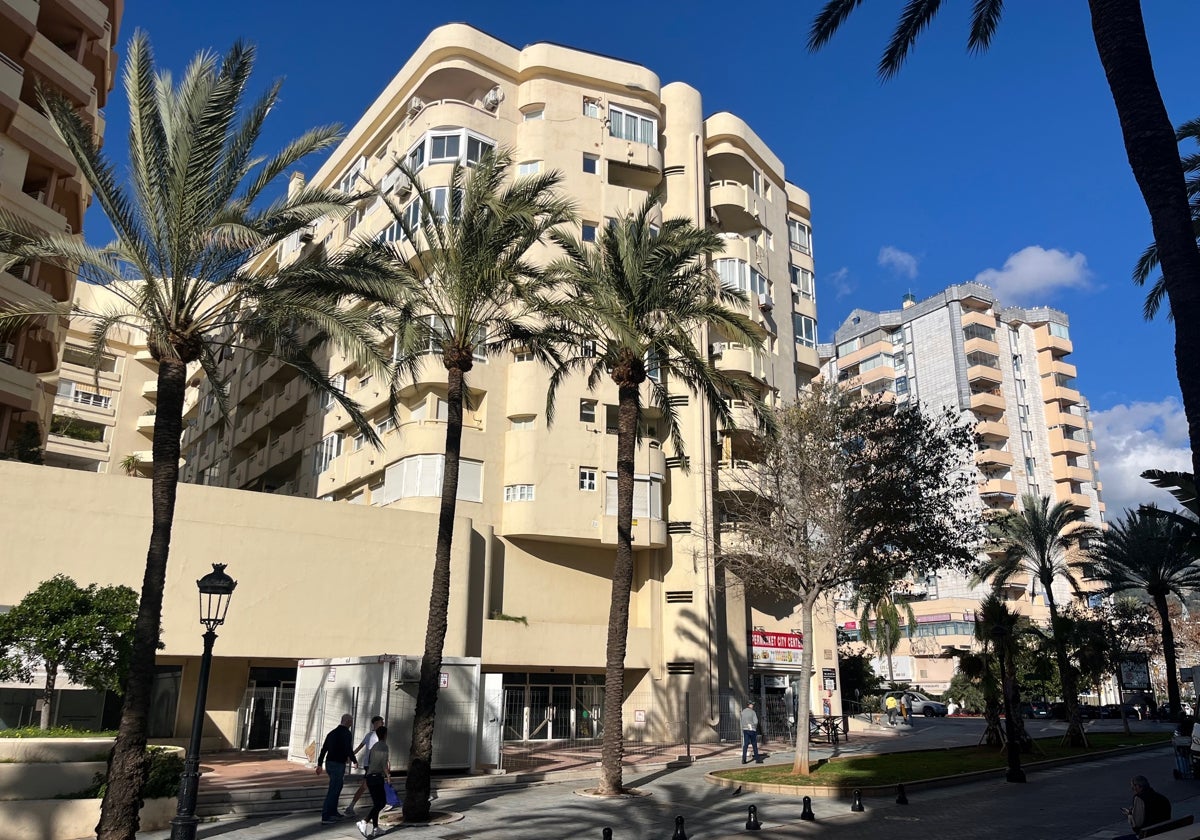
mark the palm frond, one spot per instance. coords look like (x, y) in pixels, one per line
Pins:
(985, 17)
(915, 16)
(827, 22)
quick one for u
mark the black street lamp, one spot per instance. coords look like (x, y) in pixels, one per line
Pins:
(216, 588)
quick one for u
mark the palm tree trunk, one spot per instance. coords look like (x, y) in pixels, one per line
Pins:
(1168, 644)
(1012, 735)
(1075, 736)
(127, 764)
(418, 781)
(612, 749)
(48, 693)
(801, 763)
(1153, 152)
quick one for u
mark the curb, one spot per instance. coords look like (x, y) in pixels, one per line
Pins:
(837, 791)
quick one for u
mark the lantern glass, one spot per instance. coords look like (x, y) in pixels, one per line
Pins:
(216, 589)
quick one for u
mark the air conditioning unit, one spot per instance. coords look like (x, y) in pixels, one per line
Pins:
(308, 233)
(765, 303)
(415, 105)
(409, 669)
(715, 349)
(7, 352)
(493, 98)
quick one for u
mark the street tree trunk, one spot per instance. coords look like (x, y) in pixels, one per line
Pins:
(1075, 736)
(1168, 645)
(1153, 153)
(127, 763)
(802, 764)
(418, 781)
(48, 693)
(1012, 730)
(612, 750)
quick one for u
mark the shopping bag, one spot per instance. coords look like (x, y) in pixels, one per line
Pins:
(393, 798)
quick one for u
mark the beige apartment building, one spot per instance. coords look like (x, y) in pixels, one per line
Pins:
(537, 504)
(68, 45)
(1006, 369)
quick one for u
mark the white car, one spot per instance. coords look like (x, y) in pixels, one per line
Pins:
(921, 705)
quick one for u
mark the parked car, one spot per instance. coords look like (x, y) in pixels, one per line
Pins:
(1112, 710)
(921, 705)
(1035, 709)
(1058, 711)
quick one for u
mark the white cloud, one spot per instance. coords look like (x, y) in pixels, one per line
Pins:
(901, 262)
(1033, 273)
(1137, 437)
(840, 282)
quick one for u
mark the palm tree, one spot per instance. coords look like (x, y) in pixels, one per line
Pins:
(1150, 145)
(636, 301)
(884, 638)
(1036, 540)
(1151, 553)
(1148, 262)
(185, 225)
(464, 290)
(994, 621)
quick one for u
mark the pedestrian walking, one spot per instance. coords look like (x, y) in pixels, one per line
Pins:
(749, 719)
(908, 701)
(364, 746)
(378, 774)
(336, 752)
(891, 705)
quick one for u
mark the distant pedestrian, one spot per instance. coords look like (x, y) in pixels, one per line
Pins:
(891, 705)
(908, 701)
(749, 719)
(336, 752)
(951, 708)
(1149, 807)
(364, 746)
(378, 774)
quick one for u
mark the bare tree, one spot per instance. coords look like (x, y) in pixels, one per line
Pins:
(849, 491)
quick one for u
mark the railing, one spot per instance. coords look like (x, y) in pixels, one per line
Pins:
(4, 59)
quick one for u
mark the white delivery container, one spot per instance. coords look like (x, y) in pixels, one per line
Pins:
(386, 685)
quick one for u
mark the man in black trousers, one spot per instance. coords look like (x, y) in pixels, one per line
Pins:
(337, 750)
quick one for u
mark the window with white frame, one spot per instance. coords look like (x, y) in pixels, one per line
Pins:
(518, 492)
(588, 232)
(339, 384)
(591, 164)
(1060, 331)
(799, 236)
(587, 411)
(737, 274)
(806, 330)
(653, 366)
(448, 146)
(521, 422)
(329, 448)
(535, 112)
(523, 354)
(647, 495)
(591, 108)
(633, 127)
(529, 167)
(802, 279)
(587, 479)
(349, 181)
(421, 475)
(384, 425)
(477, 147)
(357, 442)
(445, 147)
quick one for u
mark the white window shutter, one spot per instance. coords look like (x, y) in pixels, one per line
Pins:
(610, 495)
(470, 480)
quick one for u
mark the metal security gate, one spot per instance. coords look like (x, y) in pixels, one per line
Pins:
(265, 718)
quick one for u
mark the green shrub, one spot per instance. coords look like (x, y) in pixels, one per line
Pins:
(55, 732)
(166, 770)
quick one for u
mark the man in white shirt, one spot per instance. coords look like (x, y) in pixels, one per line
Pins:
(369, 740)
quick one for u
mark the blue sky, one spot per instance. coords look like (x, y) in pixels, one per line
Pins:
(1006, 167)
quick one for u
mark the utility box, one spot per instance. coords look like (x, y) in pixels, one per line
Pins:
(386, 685)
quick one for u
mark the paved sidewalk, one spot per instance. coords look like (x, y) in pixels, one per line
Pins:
(1070, 802)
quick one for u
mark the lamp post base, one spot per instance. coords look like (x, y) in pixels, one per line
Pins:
(184, 828)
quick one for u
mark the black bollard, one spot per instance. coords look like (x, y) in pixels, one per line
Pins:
(857, 806)
(606, 834)
(679, 832)
(901, 797)
(752, 823)
(807, 813)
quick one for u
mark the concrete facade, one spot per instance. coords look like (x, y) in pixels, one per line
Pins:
(68, 45)
(1005, 369)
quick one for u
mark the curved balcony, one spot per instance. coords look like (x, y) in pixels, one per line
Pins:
(1054, 344)
(988, 402)
(1060, 444)
(451, 113)
(992, 430)
(145, 424)
(647, 533)
(736, 205)
(974, 316)
(431, 371)
(993, 458)
(984, 374)
(641, 156)
(1003, 487)
(981, 345)
(526, 394)
(1057, 393)
(734, 357)
(1082, 501)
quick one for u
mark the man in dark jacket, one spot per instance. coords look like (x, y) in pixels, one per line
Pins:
(1149, 806)
(337, 750)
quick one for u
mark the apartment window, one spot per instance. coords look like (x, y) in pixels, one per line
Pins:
(587, 479)
(449, 146)
(518, 493)
(647, 495)
(984, 359)
(799, 236)
(421, 475)
(1030, 466)
(1060, 331)
(588, 232)
(349, 181)
(806, 330)
(756, 181)
(339, 384)
(416, 157)
(591, 108)
(803, 280)
(979, 331)
(357, 442)
(737, 274)
(384, 426)
(591, 164)
(587, 411)
(477, 148)
(521, 423)
(328, 449)
(901, 384)
(529, 167)
(587, 348)
(523, 354)
(364, 381)
(412, 215)
(632, 127)
(83, 358)
(444, 147)
(653, 367)
(535, 112)
(1023, 414)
